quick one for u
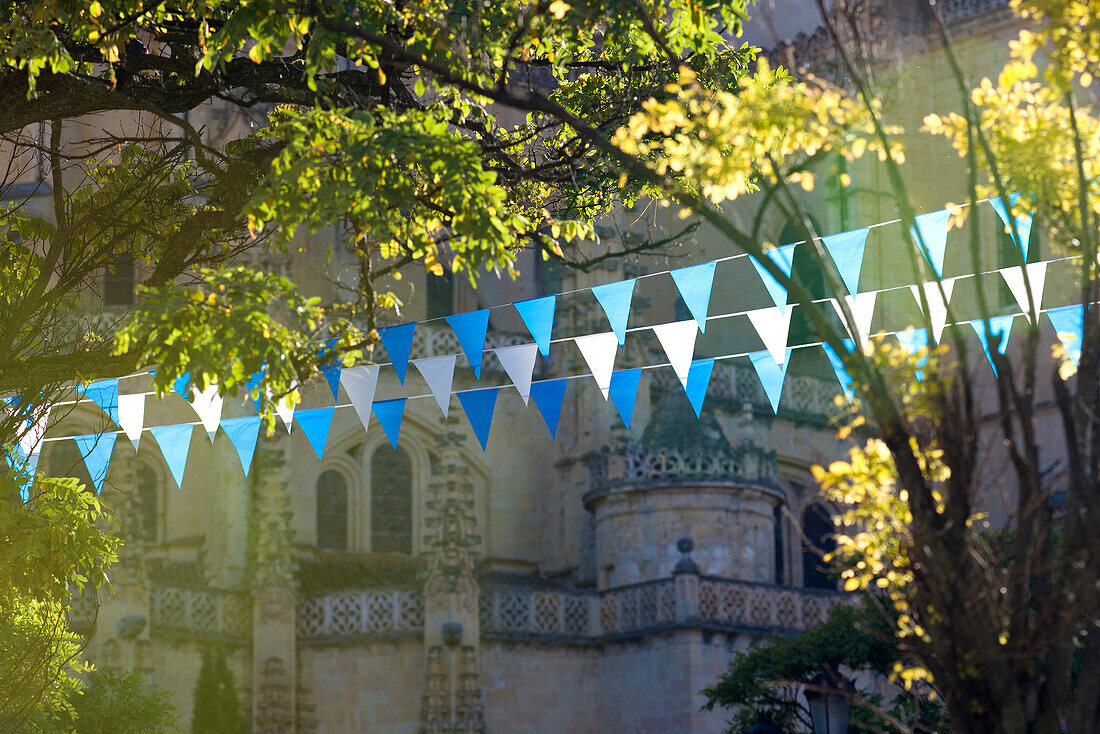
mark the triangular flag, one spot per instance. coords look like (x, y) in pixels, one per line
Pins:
(839, 370)
(332, 376)
(615, 299)
(538, 315)
(598, 351)
(398, 343)
(253, 382)
(30, 467)
(389, 413)
(439, 373)
(1000, 327)
(773, 325)
(697, 383)
(912, 341)
(208, 406)
(96, 449)
(678, 341)
(933, 236)
(315, 424)
(1023, 223)
(519, 363)
(182, 385)
(34, 430)
(131, 416)
(359, 383)
(695, 284)
(470, 329)
(174, 442)
(284, 410)
(243, 433)
(846, 250)
(771, 374)
(624, 391)
(862, 306)
(104, 393)
(1069, 323)
(783, 257)
(1036, 276)
(937, 305)
(479, 405)
(549, 396)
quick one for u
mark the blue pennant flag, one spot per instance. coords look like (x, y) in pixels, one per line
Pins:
(96, 449)
(1069, 323)
(1023, 223)
(315, 424)
(253, 384)
(615, 299)
(332, 375)
(784, 258)
(624, 391)
(398, 341)
(695, 284)
(479, 405)
(174, 442)
(182, 386)
(389, 414)
(933, 232)
(912, 341)
(1000, 327)
(771, 374)
(538, 315)
(19, 461)
(697, 382)
(243, 433)
(104, 393)
(549, 396)
(846, 250)
(839, 370)
(470, 329)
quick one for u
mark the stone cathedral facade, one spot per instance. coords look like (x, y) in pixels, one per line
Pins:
(595, 583)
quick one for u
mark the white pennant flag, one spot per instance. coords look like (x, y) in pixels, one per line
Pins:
(30, 441)
(598, 351)
(862, 306)
(1014, 279)
(359, 383)
(937, 305)
(439, 373)
(208, 405)
(519, 363)
(283, 408)
(131, 416)
(773, 325)
(678, 341)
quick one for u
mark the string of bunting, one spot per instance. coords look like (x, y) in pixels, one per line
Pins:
(694, 285)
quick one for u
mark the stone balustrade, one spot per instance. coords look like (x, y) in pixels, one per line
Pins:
(360, 613)
(202, 613)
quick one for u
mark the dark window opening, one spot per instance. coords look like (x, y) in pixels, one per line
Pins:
(391, 501)
(441, 295)
(805, 269)
(119, 282)
(332, 511)
(143, 518)
(65, 460)
(818, 539)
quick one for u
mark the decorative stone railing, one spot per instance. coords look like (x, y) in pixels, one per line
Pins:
(537, 613)
(211, 613)
(360, 613)
(763, 607)
(683, 601)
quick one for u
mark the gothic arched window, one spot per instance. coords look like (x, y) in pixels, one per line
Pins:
(391, 501)
(818, 539)
(65, 460)
(332, 510)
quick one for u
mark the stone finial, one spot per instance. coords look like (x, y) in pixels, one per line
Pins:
(685, 565)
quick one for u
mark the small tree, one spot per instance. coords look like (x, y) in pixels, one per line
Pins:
(116, 701)
(217, 709)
